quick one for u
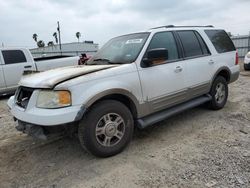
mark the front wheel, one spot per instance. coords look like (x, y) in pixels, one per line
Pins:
(246, 67)
(219, 93)
(107, 128)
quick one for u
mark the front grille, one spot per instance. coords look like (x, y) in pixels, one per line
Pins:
(23, 95)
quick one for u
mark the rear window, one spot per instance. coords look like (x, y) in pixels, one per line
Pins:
(13, 56)
(220, 40)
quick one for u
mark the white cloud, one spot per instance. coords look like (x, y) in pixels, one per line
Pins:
(100, 20)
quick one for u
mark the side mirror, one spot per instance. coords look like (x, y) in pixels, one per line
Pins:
(157, 54)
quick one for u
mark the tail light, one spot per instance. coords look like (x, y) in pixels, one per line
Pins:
(237, 58)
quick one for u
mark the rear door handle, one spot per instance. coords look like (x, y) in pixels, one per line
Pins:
(178, 69)
(27, 66)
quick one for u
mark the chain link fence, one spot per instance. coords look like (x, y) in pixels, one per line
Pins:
(242, 44)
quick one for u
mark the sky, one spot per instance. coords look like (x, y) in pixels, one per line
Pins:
(100, 20)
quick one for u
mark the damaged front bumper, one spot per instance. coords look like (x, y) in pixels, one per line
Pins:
(45, 117)
(45, 132)
(44, 123)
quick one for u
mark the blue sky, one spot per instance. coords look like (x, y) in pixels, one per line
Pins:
(99, 20)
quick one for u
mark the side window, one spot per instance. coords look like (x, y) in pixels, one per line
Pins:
(190, 43)
(165, 40)
(203, 45)
(220, 40)
(13, 56)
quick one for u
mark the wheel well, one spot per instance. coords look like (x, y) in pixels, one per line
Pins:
(225, 74)
(123, 99)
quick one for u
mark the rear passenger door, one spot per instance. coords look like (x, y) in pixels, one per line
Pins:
(199, 62)
(15, 64)
(163, 83)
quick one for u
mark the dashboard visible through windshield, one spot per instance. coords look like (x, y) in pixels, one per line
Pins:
(120, 50)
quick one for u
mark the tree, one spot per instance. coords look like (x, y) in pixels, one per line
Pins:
(40, 44)
(78, 35)
(55, 35)
(50, 43)
(229, 34)
(35, 37)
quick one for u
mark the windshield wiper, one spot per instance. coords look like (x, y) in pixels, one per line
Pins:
(102, 59)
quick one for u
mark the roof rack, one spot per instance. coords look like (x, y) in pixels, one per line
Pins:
(171, 26)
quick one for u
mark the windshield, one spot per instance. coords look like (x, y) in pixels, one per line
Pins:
(120, 50)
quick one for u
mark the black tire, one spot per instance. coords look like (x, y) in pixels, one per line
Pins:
(246, 67)
(97, 116)
(218, 103)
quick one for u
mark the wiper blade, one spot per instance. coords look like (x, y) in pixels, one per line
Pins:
(105, 60)
(102, 59)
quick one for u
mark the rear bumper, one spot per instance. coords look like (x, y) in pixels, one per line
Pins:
(44, 117)
(235, 72)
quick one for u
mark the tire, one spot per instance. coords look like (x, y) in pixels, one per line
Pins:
(106, 129)
(219, 93)
(246, 67)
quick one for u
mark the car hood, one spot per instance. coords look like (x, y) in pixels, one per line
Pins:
(50, 78)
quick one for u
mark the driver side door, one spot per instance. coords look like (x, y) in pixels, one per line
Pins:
(164, 83)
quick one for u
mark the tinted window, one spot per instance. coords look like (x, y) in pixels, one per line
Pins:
(13, 56)
(220, 40)
(203, 45)
(165, 40)
(190, 43)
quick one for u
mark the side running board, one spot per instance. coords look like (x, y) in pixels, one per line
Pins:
(162, 115)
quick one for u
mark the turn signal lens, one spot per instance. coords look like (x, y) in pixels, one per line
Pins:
(64, 98)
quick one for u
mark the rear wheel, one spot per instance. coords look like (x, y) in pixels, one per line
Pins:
(107, 128)
(219, 93)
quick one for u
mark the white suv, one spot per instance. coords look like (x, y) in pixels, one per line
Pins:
(137, 79)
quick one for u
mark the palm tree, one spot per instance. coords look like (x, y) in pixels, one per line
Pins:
(55, 35)
(50, 43)
(78, 35)
(35, 37)
(40, 44)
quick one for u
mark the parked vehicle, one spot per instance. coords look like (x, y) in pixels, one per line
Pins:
(134, 80)
(247, 61)
(14, 61)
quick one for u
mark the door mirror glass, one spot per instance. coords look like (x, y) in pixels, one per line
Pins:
(156, 55)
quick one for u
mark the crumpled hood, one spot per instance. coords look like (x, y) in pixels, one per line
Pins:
(49, 79)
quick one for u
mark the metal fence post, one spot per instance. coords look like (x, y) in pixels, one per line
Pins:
(249, 41)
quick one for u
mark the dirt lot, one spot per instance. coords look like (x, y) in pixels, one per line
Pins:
(198, 148)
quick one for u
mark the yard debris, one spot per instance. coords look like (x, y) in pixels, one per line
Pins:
(211, 184)
(242, 131)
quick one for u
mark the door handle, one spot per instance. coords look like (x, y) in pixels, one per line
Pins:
(211, 62)
(178, 69)
(27, 66)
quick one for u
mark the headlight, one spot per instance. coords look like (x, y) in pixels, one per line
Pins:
(53, 99)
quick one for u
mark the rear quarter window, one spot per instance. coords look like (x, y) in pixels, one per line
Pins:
(13, 56)
(220, 40)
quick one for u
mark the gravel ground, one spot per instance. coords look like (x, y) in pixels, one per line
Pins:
(198, 148)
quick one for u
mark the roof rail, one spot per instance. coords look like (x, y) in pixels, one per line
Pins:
(170, 26)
